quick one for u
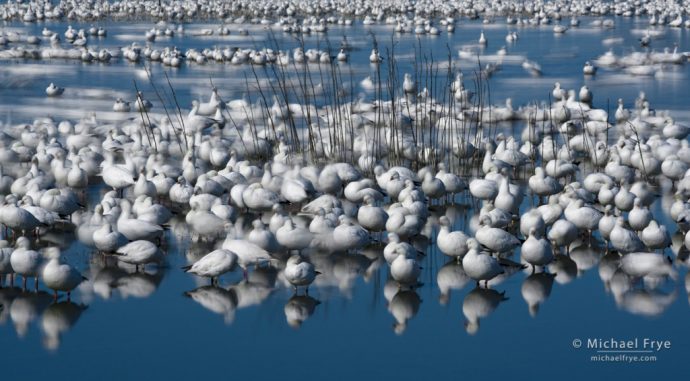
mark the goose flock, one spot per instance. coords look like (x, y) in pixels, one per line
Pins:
(563, 193)
(297, 188)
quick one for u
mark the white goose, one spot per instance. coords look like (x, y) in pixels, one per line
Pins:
(139, 253)
(536, 250)
(405, 269)
(479, 266)
(451, 243)
(54, 91)
(26, 262)
(300, 272)
(495, 239)
(348, 236)
(59, 276)
(623, 239)
(213, 264)
(108, 240)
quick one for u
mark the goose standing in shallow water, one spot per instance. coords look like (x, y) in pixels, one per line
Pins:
(299, 272)
(479, 266)
(60, 276)
(213, 264)
(495, 239)
(451, 243)
(536, 250)
(26, 262)
(405, 269)
(623, 239)
(139, 253)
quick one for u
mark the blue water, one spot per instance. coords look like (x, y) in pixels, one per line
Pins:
(142, 326)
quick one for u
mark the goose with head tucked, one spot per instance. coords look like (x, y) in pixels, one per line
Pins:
(372, 217)
(543, 185)
(300, 272)
(451, 243)
(451, 182)
(623, 239)
(495, 239)
(607, 223)
(349, 236)
(255, 197)
(396, 247)
(536, 250)
(44, 216)
(551, 211)
(26, 262)
(433, 187)
(293, 237)
(480, 266)
(248, 254)
(135, 229)
(139, 253)
(213, 264)
(532, 220)
(16, 218)
(263, 237)
(483, 189)
(60, 276)
(108, 240)
(562, 233)
(405, 269)
(54, 91)
(655, 236)
(582, 216)
(639, 216)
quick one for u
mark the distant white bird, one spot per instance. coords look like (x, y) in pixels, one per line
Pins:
(54, 91)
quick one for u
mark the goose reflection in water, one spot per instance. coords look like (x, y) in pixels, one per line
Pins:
(478, 304)
(339, 270)
(258, 286)
(648, 303)
(26, 308)
(7, 295)
(217, 300)
(564, 268)
(607, 267)
(450, 277)
(634, 296)
(535, 289)
(127, 283)
(299, 308)
(586, 255)
(404, 306)
(58, 319)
